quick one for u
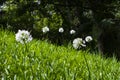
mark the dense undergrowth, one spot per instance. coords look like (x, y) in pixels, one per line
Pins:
(40, 60)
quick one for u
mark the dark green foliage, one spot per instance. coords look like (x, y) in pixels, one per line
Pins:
(84, 16)
(109, 39)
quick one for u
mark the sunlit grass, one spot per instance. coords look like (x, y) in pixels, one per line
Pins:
(41, 60)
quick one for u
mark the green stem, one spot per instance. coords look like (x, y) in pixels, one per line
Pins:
(26, 49)
(87, 67)
(24, 55)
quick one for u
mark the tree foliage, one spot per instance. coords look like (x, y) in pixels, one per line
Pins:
(82, 15)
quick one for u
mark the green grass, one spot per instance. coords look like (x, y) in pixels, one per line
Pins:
(41, 60)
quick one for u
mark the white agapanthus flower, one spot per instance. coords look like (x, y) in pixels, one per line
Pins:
(78, 43)
(61, 30)
(83, 43)
(88, 39)
(23, 36)
(72, 31)
(45, 29)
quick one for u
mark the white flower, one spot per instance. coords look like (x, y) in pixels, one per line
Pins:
(61, 30)
(83, 45)
(23, 36)
(88, 39)
(72, 31)
(77, 43)
(45, 29)
(83, 41)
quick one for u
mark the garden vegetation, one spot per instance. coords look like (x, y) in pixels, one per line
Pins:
(41, 60)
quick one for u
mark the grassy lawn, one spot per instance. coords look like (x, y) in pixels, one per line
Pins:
(40, 60)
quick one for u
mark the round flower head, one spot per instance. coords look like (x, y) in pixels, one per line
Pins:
(77, 43)
(45, 29)
(83, 43)
(72, 31)
(23, 36)
(88, 39)
(61, 30)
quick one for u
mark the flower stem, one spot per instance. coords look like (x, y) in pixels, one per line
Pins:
(87, 67)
